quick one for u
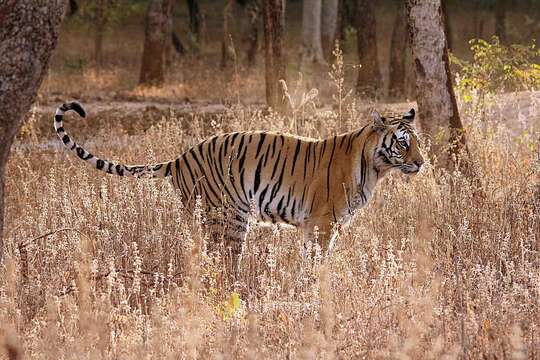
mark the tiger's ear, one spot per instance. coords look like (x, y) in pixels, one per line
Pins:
(378, 121)
(409, 116)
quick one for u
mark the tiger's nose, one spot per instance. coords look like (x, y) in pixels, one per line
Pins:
(418, 163)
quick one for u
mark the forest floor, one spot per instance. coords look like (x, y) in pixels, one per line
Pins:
(436, 266)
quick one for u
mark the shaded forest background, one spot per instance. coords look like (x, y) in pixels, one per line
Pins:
(200, 71)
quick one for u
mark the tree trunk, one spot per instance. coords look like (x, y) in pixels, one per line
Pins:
(253, 10)
(447, 25)
(330, 16)
(155, 37)
(168, 29)
(500, 20)
(369, 76)
(73, 7)
(274, 55)
(227, 49)
(28, 35)
(100, 23)
(439, 116)
(398, 53)
(195, 19)
(312, 51)
(344, 20)
(476, 20)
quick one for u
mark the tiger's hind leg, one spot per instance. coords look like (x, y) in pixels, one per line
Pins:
(227, 232)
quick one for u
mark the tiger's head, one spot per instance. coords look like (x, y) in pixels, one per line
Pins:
(398, 144)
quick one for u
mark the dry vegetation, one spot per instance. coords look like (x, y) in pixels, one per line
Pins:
(105, 267)
(436, 266)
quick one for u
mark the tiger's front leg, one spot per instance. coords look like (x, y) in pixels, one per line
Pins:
(321, 230)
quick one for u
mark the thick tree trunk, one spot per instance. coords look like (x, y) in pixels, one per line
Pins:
(330, 16)
(312, 51)
(28, 35)
(155, 37)
(274, 56)
(500, 20)
(369, 76)
(398, 53)
(100, 23)
(439, 116)
(447, 25)
(253, 10)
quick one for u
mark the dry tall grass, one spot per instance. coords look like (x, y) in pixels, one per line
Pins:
(105, 267)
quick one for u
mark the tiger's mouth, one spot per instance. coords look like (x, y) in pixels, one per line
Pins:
(410, 169)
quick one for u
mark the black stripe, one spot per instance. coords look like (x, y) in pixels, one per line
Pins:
(328, 173)
(296, 152)
(259, 145)
(257, 180)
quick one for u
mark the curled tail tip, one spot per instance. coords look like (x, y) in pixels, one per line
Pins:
(76, 106)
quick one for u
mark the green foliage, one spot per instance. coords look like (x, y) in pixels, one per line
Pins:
(231, 306)
(117, 11)
(496, 68)
(75, 64)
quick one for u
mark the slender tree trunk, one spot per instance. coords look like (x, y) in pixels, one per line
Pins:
(398, 53)
(439, 116)
(28, 35)
(369, 76)
(73, 7)
(253, 10)
(156, 35)
(344, 11)
(312, 51)
(195, 19)
(168, 29)
(330, 20)
(227, 49)
(273, 15)
(500, 20)
(100, 23)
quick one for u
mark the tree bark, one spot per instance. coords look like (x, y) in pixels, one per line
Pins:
(500, 20)
(274, 56)
(312, 51)
(330, 16)
(155, 38)
(253, 10)
(439, 116)
(399, 51)
(100, 23)
(369, 76)
(447, 25)
(28, 35)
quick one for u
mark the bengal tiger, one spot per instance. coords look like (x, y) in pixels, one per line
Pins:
(311, 184)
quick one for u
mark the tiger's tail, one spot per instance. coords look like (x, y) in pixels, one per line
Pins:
(155, 171)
